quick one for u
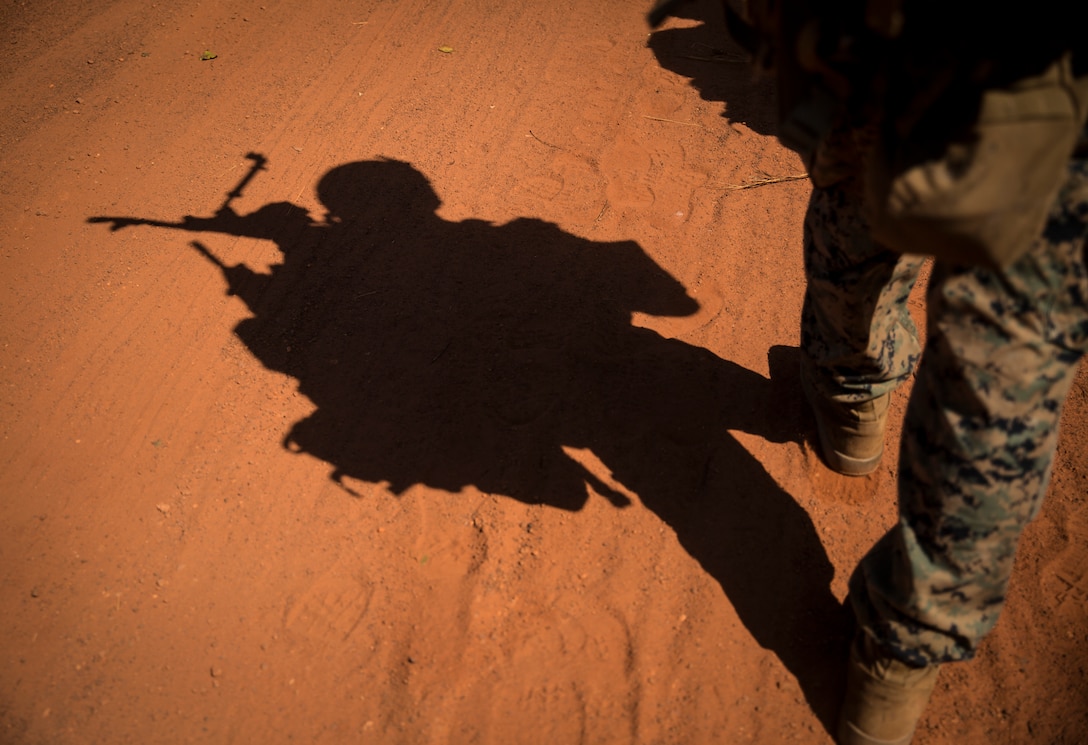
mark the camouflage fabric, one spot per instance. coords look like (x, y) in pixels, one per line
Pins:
(982, 422)
(857, 339)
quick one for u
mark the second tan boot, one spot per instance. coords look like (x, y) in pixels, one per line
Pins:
(885, 697)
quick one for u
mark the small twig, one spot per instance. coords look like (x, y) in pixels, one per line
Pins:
(291, 205)
(441, 352)
(542, 142)
(724, 58)
(670, 121)
(766, 181)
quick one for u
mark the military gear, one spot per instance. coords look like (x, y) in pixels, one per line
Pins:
(958, 126)
(885, 697)
(979, 111)
(979, 194)
(982, 422)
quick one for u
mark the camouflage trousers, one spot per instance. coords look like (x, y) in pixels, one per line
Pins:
(981, 425)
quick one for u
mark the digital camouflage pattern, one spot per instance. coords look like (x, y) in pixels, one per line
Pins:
(982, 422)
(858, 340)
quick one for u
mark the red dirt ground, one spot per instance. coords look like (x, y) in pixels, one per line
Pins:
(431, 470)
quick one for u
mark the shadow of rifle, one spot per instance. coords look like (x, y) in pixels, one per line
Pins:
(225, 219)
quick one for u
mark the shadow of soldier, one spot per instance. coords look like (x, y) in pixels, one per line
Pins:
(717, 66)
(455, 354)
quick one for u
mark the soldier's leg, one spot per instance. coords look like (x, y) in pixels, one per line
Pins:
(978, 442)
(979, 438)
(858, 342)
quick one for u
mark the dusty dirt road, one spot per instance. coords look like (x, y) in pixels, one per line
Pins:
(471, 417)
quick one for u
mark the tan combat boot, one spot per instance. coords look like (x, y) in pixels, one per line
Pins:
(851, 435)
(884, 697)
